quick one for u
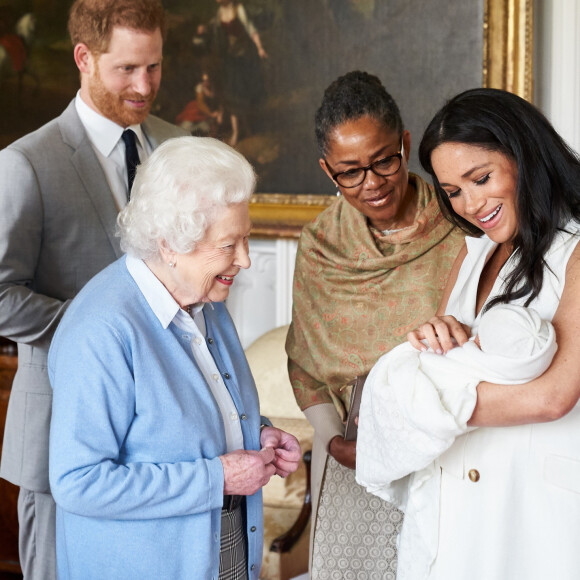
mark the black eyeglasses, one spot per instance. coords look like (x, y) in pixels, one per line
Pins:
(382, 167)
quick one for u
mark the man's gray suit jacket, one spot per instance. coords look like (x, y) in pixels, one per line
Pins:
(57, 230)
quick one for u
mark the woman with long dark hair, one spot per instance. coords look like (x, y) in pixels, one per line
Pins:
(510, 490)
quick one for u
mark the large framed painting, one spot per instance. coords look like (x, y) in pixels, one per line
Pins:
(441, 47)
(256, 80)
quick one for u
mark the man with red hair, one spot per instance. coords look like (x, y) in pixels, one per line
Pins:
(61, 188)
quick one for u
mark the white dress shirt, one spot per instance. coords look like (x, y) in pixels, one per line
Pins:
(105, 137)
(167, 311)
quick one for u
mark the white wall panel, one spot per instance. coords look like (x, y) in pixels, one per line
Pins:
(261, 297)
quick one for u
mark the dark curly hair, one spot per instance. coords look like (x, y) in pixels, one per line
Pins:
(352, 96)
(548, 186)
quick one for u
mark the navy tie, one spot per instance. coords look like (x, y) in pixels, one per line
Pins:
(131, 156)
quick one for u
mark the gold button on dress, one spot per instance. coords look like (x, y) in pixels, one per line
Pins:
(473, 475)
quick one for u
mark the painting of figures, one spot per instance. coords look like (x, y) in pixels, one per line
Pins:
(252, 72)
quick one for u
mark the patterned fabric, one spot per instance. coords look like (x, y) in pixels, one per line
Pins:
(358, 292)
(356, 532)
(233, 552)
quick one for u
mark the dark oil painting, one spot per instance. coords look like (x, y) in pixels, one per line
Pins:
(252, 73)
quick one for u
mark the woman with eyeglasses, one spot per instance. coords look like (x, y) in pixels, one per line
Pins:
(368, 270)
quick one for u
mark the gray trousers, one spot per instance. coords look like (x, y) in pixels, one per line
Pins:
(37, 535)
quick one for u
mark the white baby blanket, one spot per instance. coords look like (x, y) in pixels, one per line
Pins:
(415, 404)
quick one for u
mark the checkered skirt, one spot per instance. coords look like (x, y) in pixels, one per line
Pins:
(233, 547)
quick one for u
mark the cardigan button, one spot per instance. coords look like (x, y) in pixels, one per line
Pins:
(253, 529)
(243, 416)
(473, 475)
(253, 567)
(210, 340)
(226, 375)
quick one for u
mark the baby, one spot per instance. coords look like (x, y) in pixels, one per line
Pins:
(415, 404)
(411, 395)
(515, 332)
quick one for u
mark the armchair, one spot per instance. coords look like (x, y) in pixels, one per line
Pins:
(286, 501)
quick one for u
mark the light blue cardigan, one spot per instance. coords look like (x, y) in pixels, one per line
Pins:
(135, 439)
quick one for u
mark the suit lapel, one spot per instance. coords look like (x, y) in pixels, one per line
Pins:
(90, 172)
(157, 131)
(148, 131)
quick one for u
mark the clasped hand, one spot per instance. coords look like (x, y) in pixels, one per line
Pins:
(246, 471)
(442, 333)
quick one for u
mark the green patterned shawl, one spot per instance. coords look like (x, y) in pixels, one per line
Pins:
(358, 292)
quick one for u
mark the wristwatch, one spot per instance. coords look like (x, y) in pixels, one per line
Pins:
(265, 422)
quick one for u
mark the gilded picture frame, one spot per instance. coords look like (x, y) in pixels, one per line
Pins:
(506, 64)
(424, 52)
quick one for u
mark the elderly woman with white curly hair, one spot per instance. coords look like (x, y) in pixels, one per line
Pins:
(158, 451)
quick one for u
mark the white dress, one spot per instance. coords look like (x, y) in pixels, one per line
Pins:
(510, 496)
(415, 405)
